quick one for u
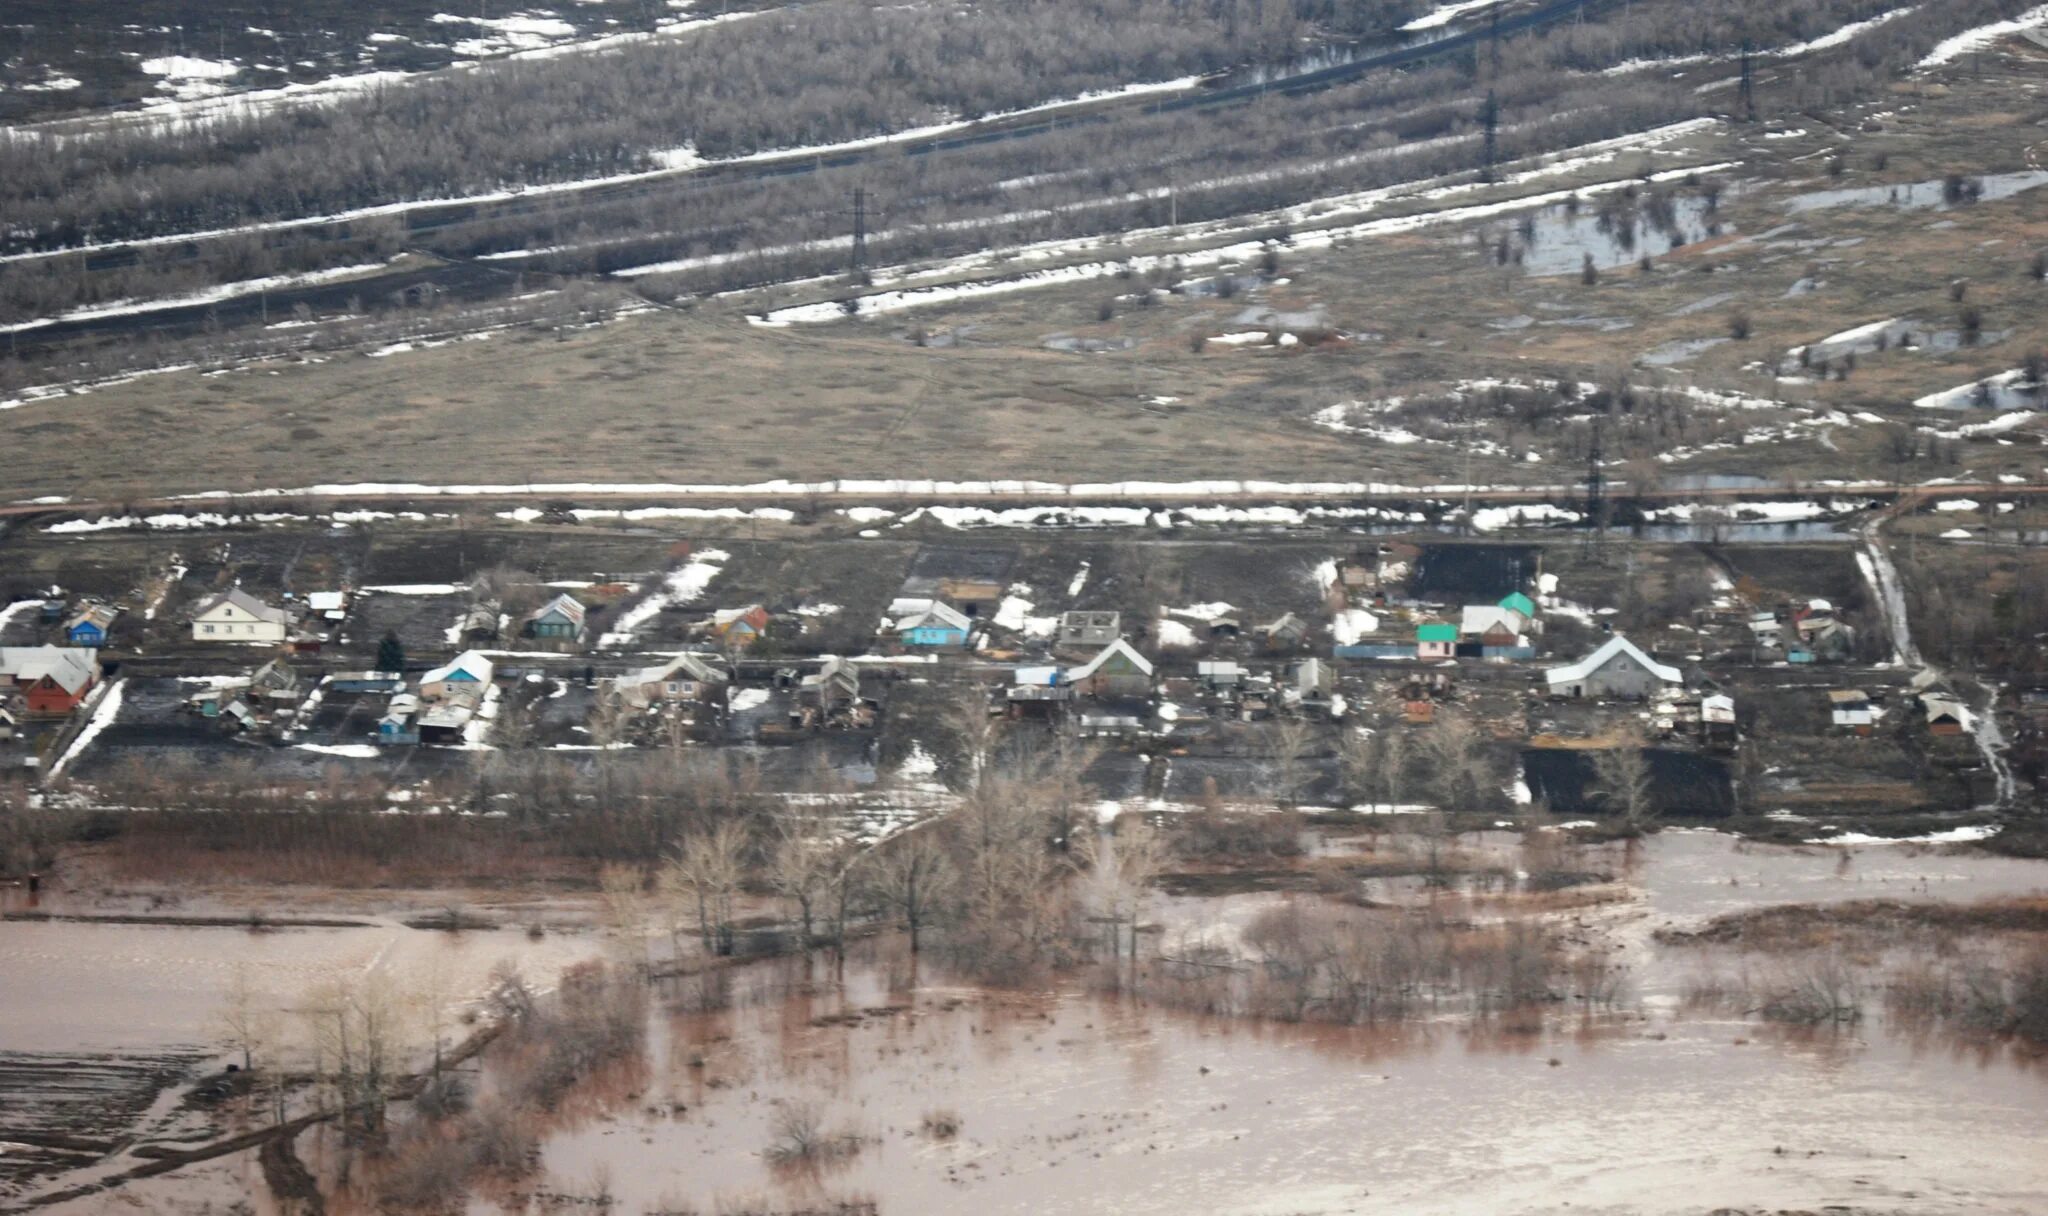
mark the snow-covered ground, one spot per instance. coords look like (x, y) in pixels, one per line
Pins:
(1951, 49)
(1241, 239)
(683, 585)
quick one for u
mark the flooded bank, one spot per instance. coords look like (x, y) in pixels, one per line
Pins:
(918, 1091)
(947, 1097)
(1071, 1102)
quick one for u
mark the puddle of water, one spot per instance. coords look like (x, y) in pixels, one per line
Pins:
(1918, 195)
(1557, 240)
(1785, 533)
(1907, 335)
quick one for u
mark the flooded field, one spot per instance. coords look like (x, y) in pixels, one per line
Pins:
(1070, 1100)
(921, 1092)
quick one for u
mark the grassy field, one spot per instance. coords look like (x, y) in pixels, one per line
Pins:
(700, 395)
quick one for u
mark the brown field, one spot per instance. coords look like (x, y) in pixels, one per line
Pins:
(699, 395)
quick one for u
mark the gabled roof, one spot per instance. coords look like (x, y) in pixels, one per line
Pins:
(99, 615)
(244, 601)
(937, 615)
(1288, 623)
(1436, 631)
(1102, 656)
(1515, 601)
(688, 666)
(1616, 645)
(473, 663)
(564, 605)
(1482, 618)
(69, 668)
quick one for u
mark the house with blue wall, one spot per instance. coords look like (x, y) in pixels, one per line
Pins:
(936, 627)
(91, 625)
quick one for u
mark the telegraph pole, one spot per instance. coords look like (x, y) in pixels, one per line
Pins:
(1747, 89)
(1596, 485)
(860, 229)
(1491, 117)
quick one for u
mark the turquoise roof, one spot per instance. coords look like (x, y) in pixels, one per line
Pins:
(1436, 633)
(1515, 601)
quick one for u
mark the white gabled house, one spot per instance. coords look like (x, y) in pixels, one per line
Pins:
(464, 679)
(1618, 669)
(236, 616)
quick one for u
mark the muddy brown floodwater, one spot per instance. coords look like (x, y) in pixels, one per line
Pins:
(1071, 1101)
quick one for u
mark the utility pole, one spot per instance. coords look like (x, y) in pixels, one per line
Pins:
(860, 229)
(1491, 117)
(1596, 485)
(1747, 87)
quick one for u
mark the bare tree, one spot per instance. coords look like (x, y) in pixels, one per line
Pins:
(806, 856)
(913, 877)
(1288, 743)
(1621, 783)
(705, 873)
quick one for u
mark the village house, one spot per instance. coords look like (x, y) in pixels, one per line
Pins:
(462, 680)
(1219, 675)
(1436, 640)
(1766, 631)
(833, 691)
(1311, 686)
(49, 679)
(327, 607)
(1849, 709)
(236, 616)
(1946, 715)
(935, 627)
(479, 623)
(740, 628)
(398, 725)
(1823, 637)
(1089, 630)
(1618, 669)
(1490, 626)
(559, 620)
(1036, 692)
(90, 625)
(1117, 670)
(685, 679)
(1717, 720)
(1290, 632)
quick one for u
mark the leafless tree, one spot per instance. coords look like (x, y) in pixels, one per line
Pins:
(705, 873)
(913, 877)
(1621, 782)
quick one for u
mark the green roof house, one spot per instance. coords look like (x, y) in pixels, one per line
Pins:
(1515, 601)
(1437, 640)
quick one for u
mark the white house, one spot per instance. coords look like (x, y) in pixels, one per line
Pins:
(1618, 669)
(236, 616)
(464, 679)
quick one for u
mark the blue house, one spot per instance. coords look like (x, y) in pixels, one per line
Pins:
(90, 626)
(935, 627)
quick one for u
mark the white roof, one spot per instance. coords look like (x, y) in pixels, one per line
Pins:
(1478, 618)
(934, 613)
(1719, 707)
(475, 662)
(247, 603)
(326, 601)
(1615, 645)
(1818, 605)
(1035, 675)
(1861, 715)
(70, 667)
(1102, 656)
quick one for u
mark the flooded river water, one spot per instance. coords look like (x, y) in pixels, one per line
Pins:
(1076, 1101)
(1072, 1100)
